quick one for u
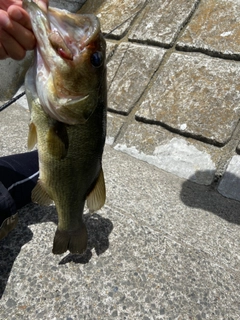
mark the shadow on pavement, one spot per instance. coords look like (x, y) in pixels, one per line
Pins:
(207, 198)
(98, 228)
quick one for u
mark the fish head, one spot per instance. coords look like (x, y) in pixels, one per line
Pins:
(70, 66)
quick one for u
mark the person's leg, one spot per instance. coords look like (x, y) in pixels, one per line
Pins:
(18, 176)
(8, 212)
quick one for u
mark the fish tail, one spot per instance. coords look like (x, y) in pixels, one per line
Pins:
(74, 241)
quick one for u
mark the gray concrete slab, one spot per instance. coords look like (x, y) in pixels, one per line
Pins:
(161, 248)
(13, 130)
(70, 5)
(195, 95)
(229, 185)
(160, 24)
(181, 156)
(115, 16)
(204, 33)
(11, 69)
(129, 63)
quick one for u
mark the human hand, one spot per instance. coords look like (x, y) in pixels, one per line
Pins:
(16, 35)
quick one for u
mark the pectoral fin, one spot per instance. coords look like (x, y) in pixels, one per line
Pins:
(32, 136)
(57, 140)
(75, 110)
(78, 111)
(97, 197)
(40, 196)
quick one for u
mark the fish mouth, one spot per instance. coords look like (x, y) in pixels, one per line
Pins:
(59, 33)
(64, 43)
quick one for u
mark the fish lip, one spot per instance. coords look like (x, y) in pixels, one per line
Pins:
(51, 21)
(94, 24)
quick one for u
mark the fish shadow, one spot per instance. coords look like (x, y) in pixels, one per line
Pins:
(98, 228)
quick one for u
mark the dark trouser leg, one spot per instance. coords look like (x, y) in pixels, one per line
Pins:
(18, 176)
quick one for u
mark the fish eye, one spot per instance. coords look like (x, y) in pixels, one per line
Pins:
(97, 59)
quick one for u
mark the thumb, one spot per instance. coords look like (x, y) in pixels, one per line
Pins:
(19, 15)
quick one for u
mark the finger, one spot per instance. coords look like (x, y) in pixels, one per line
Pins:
(5, 4)
(19, 15)
(10, 47)
(20, 34)
(4, 20)
(3, 53)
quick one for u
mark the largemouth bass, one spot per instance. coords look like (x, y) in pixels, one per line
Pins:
(66, 92)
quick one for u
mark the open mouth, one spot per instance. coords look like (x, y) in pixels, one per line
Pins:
(66, 33)
(71, 33)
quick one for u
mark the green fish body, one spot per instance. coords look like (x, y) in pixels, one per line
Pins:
(66, 92)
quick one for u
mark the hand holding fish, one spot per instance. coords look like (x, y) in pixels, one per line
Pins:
(16, 36)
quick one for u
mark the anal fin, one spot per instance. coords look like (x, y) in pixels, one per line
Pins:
(97, 197)
(40, 196)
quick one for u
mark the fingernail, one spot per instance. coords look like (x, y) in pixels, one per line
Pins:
(5, 21)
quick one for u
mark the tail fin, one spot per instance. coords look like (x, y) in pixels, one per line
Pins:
(74, 241)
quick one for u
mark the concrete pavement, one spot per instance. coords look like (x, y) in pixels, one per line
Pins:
(166, 244)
